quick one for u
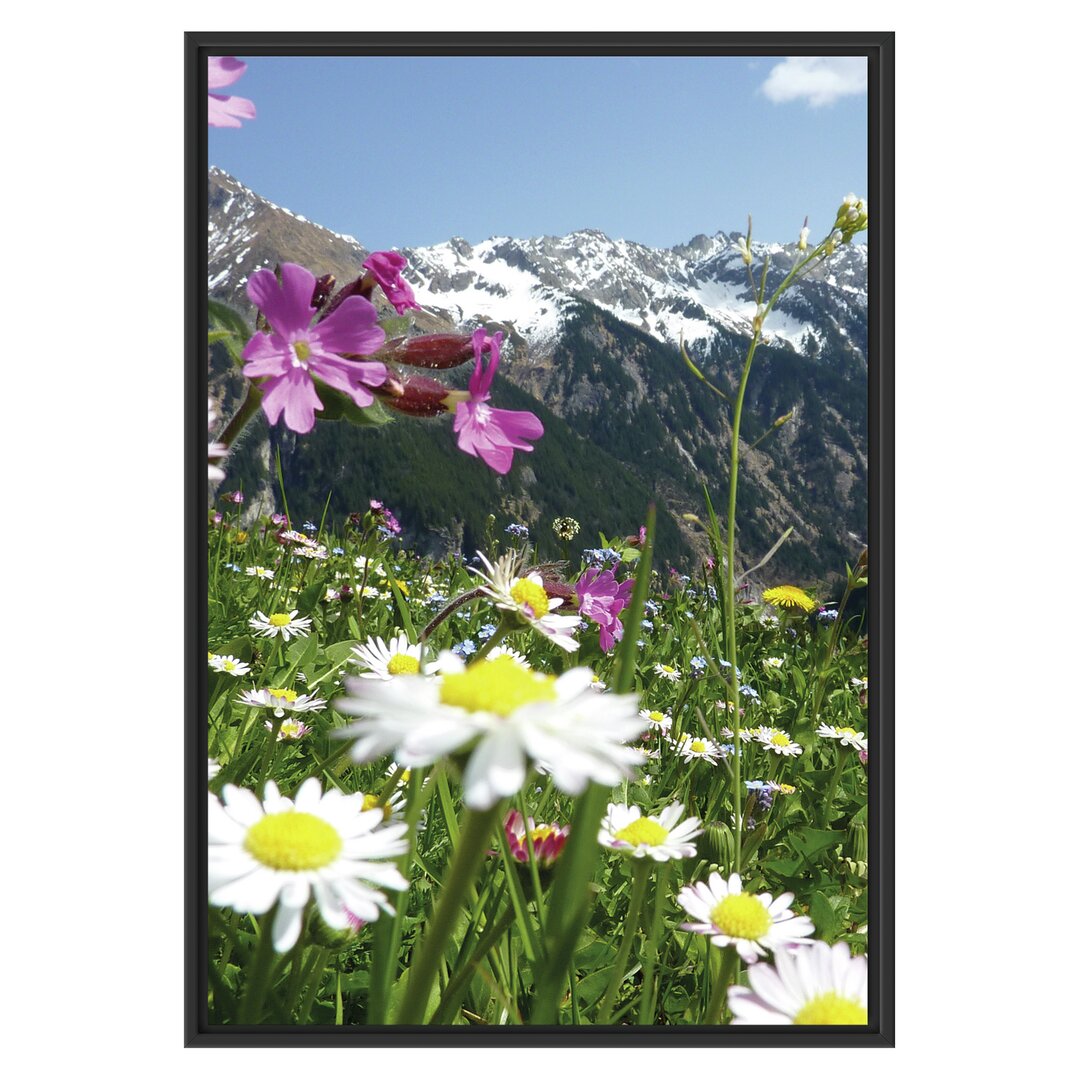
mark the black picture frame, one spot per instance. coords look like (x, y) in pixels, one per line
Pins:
(878, 48)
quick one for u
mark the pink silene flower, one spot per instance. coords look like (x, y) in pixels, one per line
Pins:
(491, 434)
(225, 111)
(547, 840)
(601, 598)
(296, 353)
(386, 267)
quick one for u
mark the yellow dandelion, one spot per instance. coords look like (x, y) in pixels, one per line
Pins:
(788, 596)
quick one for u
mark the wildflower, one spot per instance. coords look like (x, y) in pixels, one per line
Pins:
(750, 692)
(598, 684)
(827, 615)
(222, 111)
(309, 526)
(847, 736)
(659, 720)
(337, 551)
(260, 572)
(486, 631)
(385, 267)
(547, 840)
(752, 924)
(665, 671)
(659, 838)
(230, 665)
(773, 661)
(859, 683)
(864, 757)
(565, 528)
(788, 596)
(818, 984)
(384, 660)
(690, 747)
(491, 434)
(235, 497)
(464, 648)
(601, 598)
(804, 236)
(698, 664)
(646, 624)
(743, 249)
(526, 597)
(779, 742)
(282, 851)
(285, 624)
(290, 730)
(295, 353)
(505, 716)
(281, 701)
(520, 531)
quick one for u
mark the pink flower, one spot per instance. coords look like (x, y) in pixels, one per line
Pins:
(601, 598)
(491, 434)
(296, 353)
(225, 111)
(386, 267)
(547, 840)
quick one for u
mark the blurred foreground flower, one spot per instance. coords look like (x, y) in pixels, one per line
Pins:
(223, 111)
(819, 984)
(284, 851)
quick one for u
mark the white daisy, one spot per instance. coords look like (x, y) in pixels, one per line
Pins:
(230, 665)
(847, 736)
(376, 568)
(260, 572)
(858, 683)
(659, 720)
(287, 625)
(281, 701)
(819, 984)
(501, 650)
(394, 807)
(658, 838)
(694, 746)
(773, 661)
(284, 850)
(753, 924)
(598, 684)
(385, 660)
(527, 598)
(746, 734)
(506, 716)
(290, 730)
(666, 671)
(779, 742)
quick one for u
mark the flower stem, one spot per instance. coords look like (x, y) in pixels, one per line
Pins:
(467, 857)
(637, 895)
(247, 410)
(506, 624)
(841, 761)
(259, 982)
(647, 1012)
(729, 966)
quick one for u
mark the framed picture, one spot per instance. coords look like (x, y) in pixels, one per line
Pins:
(544, 554)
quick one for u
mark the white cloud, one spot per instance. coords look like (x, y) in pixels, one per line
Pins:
(820, 80)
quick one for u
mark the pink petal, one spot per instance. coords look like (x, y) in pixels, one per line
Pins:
(287, 306)
(228, 111)
(294, 394)
(515, 426)
(223, 71)
(352, 328)
(350, 377)
(266, 354)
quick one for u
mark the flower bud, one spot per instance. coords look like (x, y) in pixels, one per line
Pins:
(759, 317)
(804, 234)
(438, 351)
(744, 249)
(417, 395)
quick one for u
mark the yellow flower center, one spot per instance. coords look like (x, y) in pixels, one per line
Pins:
(656, 717)
(643, 831)
(279, 620)
(741, 915)
(831, 1008)
(697, 746)
(527, 594)
(540, 834)
(287, 695)
(779, 739)
(665, 668)
(787, 789)
(228, 665)
(302, 350)
(290, 729)
(371, 802)
(849, 731)
(293, 840)
(403, 664)
(497, 686)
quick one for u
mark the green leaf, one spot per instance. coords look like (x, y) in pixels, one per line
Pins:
(339, 406)
(826, 922)
(808, 841)
(340, 650)
(395, 325)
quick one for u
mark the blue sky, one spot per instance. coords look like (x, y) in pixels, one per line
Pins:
(408, 151)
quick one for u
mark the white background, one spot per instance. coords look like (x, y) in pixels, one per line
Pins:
(986, 393)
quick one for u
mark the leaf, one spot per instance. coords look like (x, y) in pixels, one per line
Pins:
(339, 406)
(808, 841)
(340, 650)
(826, 922)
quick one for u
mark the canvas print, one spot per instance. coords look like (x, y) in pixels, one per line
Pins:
(537, 682)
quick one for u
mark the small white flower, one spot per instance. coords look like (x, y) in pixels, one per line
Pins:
(281, 701)
(773, 661)
(260, 572)
(375, 568)
(658, 838)
(286, 850)
(514, 655)
(598, 684)
(818, 984)
(847, 736)
(290, 730)
(743, 249)
(230, 665)
(527, 598)
(285, 624)
(753, 924)
(659, 720)
(385, 660)
(859, 684)
(779, 742)
(694, 746)
(505, 716)
(666, 671)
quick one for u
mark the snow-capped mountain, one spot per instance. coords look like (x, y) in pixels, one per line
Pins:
(593, 328)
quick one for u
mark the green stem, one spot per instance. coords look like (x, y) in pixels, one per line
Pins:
(506, 624)
(268, 753)
(637, 895)
(259, 982)
(841, 761)
(313, 973)
(247, 410)
(450, 1001)
(467, 858)
(729, 965)
(647, 1012)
